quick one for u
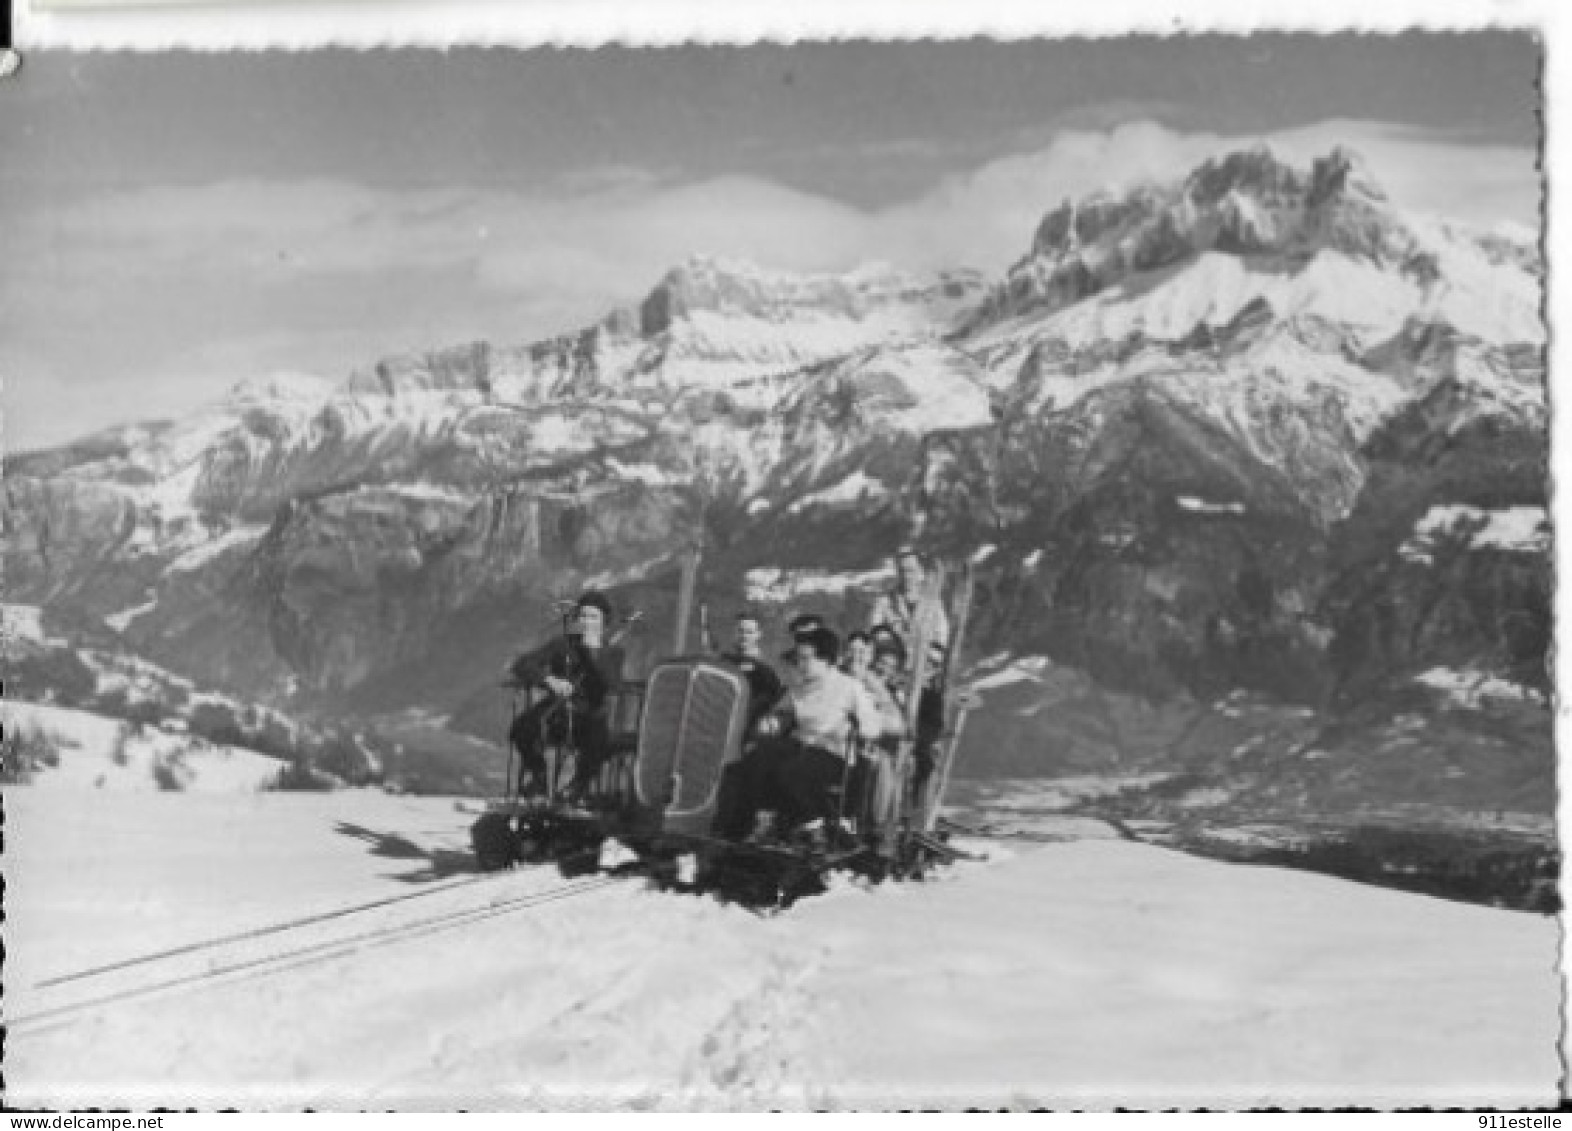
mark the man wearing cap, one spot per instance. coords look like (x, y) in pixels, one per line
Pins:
(801, 756)
(578, 670)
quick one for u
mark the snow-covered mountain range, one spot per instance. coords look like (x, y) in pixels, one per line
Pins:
(1253, 432)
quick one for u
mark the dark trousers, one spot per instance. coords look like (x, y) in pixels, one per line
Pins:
(925, 751)
(796, 781)
(551, 722)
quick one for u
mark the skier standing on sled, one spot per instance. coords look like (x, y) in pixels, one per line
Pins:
(801, 756)
(899, 608)
(578, 669)
(898, 612)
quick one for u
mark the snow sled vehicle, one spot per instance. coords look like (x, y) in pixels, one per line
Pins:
(650, 808)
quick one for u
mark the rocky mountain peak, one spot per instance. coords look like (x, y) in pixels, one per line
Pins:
(459, 368)
(734, 288)
(1251, 206)
(1224, 187)
(1248, 197)
(1341, 173)
(1076, 224)
(1256, 172)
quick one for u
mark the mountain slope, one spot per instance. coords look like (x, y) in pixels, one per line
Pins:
(1256, 430)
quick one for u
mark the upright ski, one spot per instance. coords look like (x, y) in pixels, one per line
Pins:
(940, 782)
(917, 674)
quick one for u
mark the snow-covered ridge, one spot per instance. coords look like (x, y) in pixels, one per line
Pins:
(855, 488)
(201, 554)
(1162, 264)
(732, 287)
(122, 620)
(1524, 530)
(1203, 506)
(710, 323)
(1158, 262)
(1470, 688)
(1326, 239)
(778, 586)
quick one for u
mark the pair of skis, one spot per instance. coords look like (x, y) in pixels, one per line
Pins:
(920, 817)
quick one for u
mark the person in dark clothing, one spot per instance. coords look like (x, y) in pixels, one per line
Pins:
(764, 686)
(579, 670)
(931, 722)
(930, 719)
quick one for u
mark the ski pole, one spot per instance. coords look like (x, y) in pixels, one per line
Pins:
(509, 786)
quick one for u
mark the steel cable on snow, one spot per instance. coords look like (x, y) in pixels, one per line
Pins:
(321, 951)
(253, 933)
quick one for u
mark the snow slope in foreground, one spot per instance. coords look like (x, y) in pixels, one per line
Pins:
(1078, 974)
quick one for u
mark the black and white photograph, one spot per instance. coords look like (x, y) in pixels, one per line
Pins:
(851, 575)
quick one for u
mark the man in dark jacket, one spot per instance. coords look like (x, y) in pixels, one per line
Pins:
(764, 686)
(578, 670)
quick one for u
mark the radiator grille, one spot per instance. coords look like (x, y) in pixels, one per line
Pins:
(694, 714)
(712, 702)
(659, 734)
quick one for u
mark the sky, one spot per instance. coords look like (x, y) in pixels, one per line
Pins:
(180, 222)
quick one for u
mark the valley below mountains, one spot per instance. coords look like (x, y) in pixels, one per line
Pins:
(1251, 466)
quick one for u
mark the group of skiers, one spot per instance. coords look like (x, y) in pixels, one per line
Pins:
(822, 734)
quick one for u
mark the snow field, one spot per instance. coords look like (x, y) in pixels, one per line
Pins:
(625, 995)
(96, 752)
(1085, 973)
(1123, 972)
(1513, 529)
